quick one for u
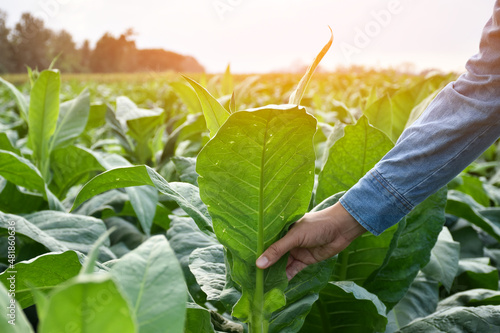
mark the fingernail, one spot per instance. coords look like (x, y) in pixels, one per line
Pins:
(262, 262)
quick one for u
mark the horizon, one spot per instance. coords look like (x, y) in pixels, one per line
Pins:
(257, 38)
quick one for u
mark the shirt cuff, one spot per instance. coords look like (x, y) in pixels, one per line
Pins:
(375, 203)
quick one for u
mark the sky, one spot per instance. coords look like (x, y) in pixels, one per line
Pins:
(257, 36)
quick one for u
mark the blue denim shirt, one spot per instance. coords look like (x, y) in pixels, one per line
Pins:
(460, 124)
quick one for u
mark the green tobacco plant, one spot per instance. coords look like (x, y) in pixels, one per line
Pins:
(256, 177)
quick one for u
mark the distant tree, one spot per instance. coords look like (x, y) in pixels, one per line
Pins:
(31, 44)
(161, 60)
(114, 54)
(61, 44)
(30, 40)
(7, 63)
(85, 53)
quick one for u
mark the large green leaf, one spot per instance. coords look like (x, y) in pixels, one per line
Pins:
(152, 280)
(144, 175)
(351, 157)
(410, 252)
(12, 317)
(214, 112)
(73, 116)
(42, 273)
(43, 114)
(256, 177)
(87, 303)
(459, 319)
(346, 307)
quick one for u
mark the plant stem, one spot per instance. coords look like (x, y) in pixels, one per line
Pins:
(257, 320)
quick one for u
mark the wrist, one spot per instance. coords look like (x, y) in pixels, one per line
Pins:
(349, 228)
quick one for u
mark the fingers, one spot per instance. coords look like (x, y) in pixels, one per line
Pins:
(277, 250)
(293, 268)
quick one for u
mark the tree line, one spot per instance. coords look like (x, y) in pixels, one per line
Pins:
(31, 43)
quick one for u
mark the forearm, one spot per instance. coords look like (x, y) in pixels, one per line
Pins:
(456, 128)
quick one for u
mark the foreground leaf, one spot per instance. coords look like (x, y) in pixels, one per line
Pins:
(87, 303)
(256, 177)
(152, 280)
(42, 273)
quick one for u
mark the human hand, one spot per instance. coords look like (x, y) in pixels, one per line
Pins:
(315, 237)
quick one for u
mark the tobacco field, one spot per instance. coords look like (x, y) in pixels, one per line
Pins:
(140, 204)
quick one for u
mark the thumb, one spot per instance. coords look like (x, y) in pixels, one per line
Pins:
(276, 251)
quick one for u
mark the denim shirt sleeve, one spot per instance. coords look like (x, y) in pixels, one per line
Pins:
(461, 122)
